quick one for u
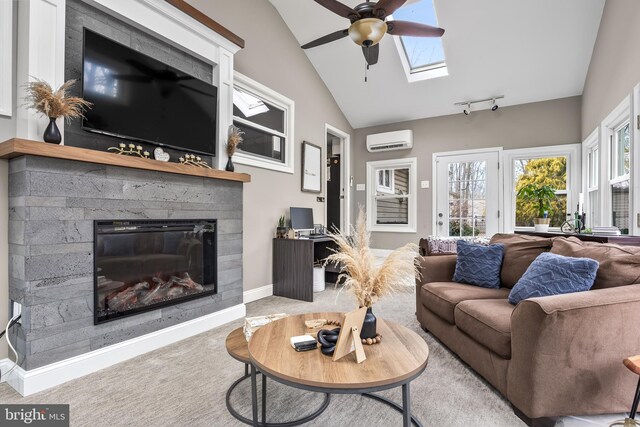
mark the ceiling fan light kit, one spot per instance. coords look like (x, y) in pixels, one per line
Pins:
(368, 26)
(367, 32)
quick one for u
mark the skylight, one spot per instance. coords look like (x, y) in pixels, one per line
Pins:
(421, 54)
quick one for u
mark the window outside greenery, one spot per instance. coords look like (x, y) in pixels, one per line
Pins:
(550, 171)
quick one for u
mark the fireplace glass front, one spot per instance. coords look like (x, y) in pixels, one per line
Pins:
(144, 265)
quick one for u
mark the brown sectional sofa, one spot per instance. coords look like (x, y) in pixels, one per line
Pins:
(550, 356)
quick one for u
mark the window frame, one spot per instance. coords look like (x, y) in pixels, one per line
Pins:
(574, 177)
(410, 163)
(615, 120)
(589, 146)
(280, 101)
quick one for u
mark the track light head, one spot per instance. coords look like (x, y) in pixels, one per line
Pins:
(467, 110)
(494, 107)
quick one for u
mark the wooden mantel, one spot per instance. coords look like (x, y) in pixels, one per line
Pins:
(21, 147)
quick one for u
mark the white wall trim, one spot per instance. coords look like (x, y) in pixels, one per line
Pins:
(36, 380)
(345, 172)
(288, 106)
(635, 156)
(410, 163)
(258, 293)
(6, 58)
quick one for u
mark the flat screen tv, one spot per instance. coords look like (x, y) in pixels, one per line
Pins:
(139, 98)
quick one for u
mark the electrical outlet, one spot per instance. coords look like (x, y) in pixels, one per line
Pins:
(17, 309)
(424, 184)
(360, 187)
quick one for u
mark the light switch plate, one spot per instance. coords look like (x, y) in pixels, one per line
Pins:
(424, 184)
(360, 187)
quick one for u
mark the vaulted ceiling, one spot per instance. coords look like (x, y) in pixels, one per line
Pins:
(526, 50)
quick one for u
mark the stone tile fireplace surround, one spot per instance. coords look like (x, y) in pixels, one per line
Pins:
(53, 203)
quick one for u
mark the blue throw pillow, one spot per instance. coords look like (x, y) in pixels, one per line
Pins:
(552, 274)
(478, 264)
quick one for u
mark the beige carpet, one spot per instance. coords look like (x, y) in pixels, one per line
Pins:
(185, 384)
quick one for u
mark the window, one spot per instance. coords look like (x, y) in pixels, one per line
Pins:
(556, 166)
(467, 198)
(391, 195)
(422, 57)
(266, 118)
(591, 173)
(620, 178)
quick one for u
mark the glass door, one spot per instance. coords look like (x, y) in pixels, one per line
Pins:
(467, 194)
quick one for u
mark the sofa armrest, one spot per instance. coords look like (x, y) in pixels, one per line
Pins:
(567, 352)
(433, 269)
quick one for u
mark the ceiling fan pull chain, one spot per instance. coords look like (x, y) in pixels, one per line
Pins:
(366, 69)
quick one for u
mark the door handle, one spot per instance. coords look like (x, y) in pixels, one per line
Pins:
(440, 223)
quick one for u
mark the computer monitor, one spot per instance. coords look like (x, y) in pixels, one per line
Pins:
(301, 218)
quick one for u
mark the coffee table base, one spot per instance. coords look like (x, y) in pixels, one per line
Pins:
(405, 408)
(236, 415)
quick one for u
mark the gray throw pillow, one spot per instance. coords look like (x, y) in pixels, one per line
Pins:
(552, 274)
(478, 264)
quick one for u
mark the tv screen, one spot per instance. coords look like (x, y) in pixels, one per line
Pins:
(139, 98)
(301, 218)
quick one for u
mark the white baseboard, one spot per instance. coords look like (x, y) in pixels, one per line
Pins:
(35, 380)
(258, 293)
(381, 253)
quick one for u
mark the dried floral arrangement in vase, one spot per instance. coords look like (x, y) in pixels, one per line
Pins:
(234, 140)
(367, 281)
(54, 104)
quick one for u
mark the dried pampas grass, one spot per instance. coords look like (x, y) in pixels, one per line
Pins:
(53, 104)
(367, 281)
(235, 139)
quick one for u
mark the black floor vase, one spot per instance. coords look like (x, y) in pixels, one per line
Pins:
(230, 167)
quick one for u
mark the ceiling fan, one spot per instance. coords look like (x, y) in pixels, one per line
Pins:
(369, 25)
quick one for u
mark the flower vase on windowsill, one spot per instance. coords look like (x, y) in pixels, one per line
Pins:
(233, 141)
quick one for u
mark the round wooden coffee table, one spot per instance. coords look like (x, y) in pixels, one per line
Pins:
(400, 358)
(238, 348)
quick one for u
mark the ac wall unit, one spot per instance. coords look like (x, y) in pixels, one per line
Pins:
(388, 141)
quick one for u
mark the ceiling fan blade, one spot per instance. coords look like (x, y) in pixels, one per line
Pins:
(385, 8)
(326, 39)
(413, 29)
(371, 54)
(339, 8)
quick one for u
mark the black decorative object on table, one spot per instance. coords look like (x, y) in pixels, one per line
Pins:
(369, 325)
(328, 339)
(230, 167)
(52, 133)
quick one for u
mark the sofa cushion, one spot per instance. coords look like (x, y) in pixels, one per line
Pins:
(519, 252)
(619, 265)
(488, 321)
(442, 297)
(553, 274)
(479, 265)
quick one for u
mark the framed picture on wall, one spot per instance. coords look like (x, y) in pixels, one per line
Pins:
(311, 168)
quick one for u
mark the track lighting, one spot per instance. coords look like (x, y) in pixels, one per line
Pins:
(467, 104)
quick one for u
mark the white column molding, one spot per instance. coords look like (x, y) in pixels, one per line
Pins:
(225, 105)
(41, 38)
(6, 58)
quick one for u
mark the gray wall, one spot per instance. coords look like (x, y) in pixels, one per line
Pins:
(615, 65)
(529, 125)
(273, 57)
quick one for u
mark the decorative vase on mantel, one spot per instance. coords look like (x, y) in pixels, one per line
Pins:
(52, 133)
(369, 325)
(230, 167)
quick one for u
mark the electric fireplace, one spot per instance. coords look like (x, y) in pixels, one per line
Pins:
(142, 265)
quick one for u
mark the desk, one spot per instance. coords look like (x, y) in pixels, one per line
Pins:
(293, 261)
